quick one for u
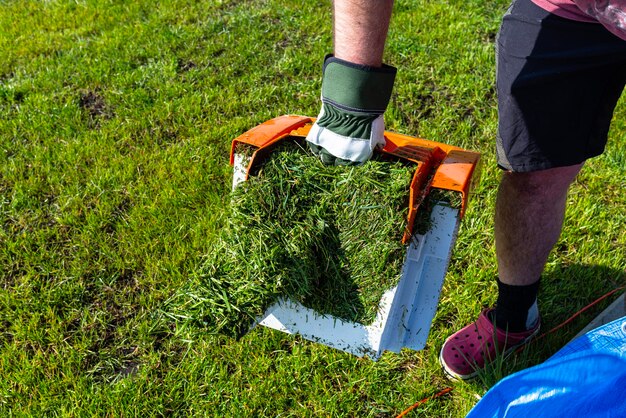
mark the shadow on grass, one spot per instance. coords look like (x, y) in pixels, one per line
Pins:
(567, 289)
(334, 291)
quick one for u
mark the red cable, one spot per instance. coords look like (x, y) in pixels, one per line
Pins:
(416, 404)
(561, 325)
(571, 318)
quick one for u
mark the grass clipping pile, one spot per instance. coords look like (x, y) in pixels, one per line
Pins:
(327, 237)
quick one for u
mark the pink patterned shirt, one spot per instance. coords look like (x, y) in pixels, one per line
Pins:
(610, 13)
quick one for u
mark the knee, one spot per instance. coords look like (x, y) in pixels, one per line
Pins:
(551, 181)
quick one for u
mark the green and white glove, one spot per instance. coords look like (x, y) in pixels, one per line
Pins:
(350, 125)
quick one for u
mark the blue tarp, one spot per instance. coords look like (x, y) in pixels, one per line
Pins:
(586, 378)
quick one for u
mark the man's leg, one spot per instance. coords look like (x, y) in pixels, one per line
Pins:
(530, 208)
(529, 214)
(558, 82)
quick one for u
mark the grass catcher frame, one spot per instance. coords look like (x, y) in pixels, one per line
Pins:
(405, 311)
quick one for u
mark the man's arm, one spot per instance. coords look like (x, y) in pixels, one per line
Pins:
(356, 85)
(360, 30)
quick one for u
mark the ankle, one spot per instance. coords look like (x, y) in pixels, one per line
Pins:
(516, 309)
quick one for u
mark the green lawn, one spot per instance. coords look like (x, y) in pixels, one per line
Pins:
(115, 125)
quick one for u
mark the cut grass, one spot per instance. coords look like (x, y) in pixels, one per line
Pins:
(115, 125)
(328, 237)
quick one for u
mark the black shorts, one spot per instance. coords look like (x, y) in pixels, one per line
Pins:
(558, 82)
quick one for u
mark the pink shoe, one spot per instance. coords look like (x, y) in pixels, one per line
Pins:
(467, 351)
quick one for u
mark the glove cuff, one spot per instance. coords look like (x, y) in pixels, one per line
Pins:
(357, 88)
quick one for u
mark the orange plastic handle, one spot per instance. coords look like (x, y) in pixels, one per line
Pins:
(269, 131)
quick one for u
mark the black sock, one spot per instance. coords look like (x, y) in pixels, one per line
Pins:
(514, 303)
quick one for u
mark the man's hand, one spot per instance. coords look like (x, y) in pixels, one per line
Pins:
(350, 125)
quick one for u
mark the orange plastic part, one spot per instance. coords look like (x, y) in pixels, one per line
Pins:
(269, 132)
(439, 165)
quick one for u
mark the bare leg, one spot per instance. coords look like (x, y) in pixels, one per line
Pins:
(530, 208)
(361, 30)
